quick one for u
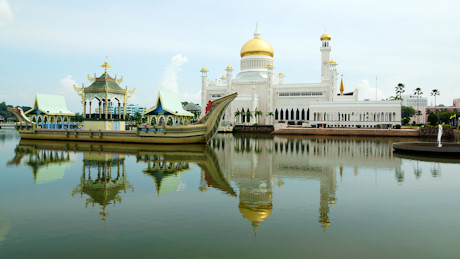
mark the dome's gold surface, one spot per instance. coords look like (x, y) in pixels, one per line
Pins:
(229, 67)
(224, 76)
(325, 36)
(204, 69)
(270, 65)
(281, 74)
(257, 46)
(255, 212)
(332, 62)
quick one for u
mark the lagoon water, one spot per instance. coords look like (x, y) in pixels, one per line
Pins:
(239, 196)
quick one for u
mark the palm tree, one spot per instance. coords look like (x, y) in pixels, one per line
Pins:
(418, 92)
(257, 114)
(435, 92)
(248, 115)
(399, 91)
(271, 114)
(237, 115)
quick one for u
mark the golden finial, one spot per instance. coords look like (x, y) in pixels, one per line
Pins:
(105, 65)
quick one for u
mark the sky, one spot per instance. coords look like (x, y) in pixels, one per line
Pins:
(48, 46)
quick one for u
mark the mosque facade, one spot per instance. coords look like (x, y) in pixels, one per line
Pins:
(265, 98)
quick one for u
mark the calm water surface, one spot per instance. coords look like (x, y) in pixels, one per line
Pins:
(239, 196)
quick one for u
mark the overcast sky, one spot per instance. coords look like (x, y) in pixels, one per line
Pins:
(47, 46)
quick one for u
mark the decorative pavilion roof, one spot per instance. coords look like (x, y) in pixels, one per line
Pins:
(50, 105)
(100, 82)
(169, 102)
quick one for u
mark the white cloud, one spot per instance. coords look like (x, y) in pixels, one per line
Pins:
(6, 14)
(72, 99)
(368, 92)
(168, 80)
(191, 97)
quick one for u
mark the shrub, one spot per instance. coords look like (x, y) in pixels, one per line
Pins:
(255, 124)
(398, 126)
(358, 126)
(379, 126)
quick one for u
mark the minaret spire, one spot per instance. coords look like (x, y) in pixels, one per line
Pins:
(257, 32)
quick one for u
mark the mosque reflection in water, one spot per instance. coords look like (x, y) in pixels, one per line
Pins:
(255, 165)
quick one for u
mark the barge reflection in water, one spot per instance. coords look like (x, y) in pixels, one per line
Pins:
(279, 188)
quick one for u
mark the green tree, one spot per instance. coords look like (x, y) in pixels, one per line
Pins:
(237, 116)
(271, 115)
(435, 92)
(407, 111)
(257, 114)
(418, 92)
(248, 116)
(137, 117)
(432, 118)
(399, 90)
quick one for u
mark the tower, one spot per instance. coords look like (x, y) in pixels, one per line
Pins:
(204, 85)
(325, 55)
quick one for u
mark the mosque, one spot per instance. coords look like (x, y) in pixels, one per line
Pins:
(264, 97)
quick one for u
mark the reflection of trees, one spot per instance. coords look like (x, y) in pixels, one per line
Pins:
(399, 175)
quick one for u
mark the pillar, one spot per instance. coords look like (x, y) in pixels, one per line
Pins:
(90, 109)
(100, 109)
(119, 110)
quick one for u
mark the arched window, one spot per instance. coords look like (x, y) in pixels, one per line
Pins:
(243, 116)
(303, 114)
(161, 121)
(281, 115)
(276, 114)
(153, 121)
(292, 114)
(297, 115)
(308, 114)
(287, 114)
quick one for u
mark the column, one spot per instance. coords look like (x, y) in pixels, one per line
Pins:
(119, 110)
(100, 109)
(90, 109)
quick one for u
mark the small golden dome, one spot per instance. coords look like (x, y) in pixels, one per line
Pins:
(255, 212)
(224, 76)
(332, 62)
(281, 74)
(270, 65)
(204, 69)
(229, 67)
(253, 87)
(257, 46)
(325, 36)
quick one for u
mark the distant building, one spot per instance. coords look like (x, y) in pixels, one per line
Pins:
(195, 109)
(425, 112)
(131, 109)
(414, 101)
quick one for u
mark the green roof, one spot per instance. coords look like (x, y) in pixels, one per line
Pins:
(50, 105)
(100, 82)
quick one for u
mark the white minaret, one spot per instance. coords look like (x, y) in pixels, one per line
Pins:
(204, 86)
(269, 108)
(228, 111)
(325, 56)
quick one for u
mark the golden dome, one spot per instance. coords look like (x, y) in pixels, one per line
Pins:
(204, 69)
(270, 65)
(224, 76)
(325, 36)
(332, 62)
(281, 74)
(257, 46)
(229, 67)
(255, 212)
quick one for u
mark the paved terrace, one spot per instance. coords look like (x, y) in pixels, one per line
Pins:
(349, 132)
